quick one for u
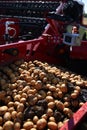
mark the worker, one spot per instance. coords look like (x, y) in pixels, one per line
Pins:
(75, 30)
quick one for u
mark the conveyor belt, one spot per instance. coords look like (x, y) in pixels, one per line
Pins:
(28, 8)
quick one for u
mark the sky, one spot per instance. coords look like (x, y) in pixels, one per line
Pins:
(85, 5)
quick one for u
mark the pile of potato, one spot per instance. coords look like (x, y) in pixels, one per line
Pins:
(38, 96)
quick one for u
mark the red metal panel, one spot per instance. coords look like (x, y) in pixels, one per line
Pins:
(79, 52)
(76, 119)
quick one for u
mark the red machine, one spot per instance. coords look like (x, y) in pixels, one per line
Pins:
(54, 42)
(56, 35)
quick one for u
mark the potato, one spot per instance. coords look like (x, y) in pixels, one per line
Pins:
(23, 100)
(49, 112)
(17, 97)
(33, 129)
(42, 93)
(10, 104)
(78, 88)
(80, 83)
(8, 125)
(17, 126)
(20, 115)
(52, 125)
(52, 119)
(14, 115)
(7, 116)
(11, 109)
(41, 124)
(35, 119)
(38, 85)
(3, 110)
(51, 105)
(59, 105)
(64, 88)
(20, 107)
(60, 124)
(66, 104)
(45, 116)
(23, 129)
(81, 104)
(1, 128)
(49, 99)
(60, 94)
(74, 95)
(52, 88)
(28, 125)
(68, 112)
